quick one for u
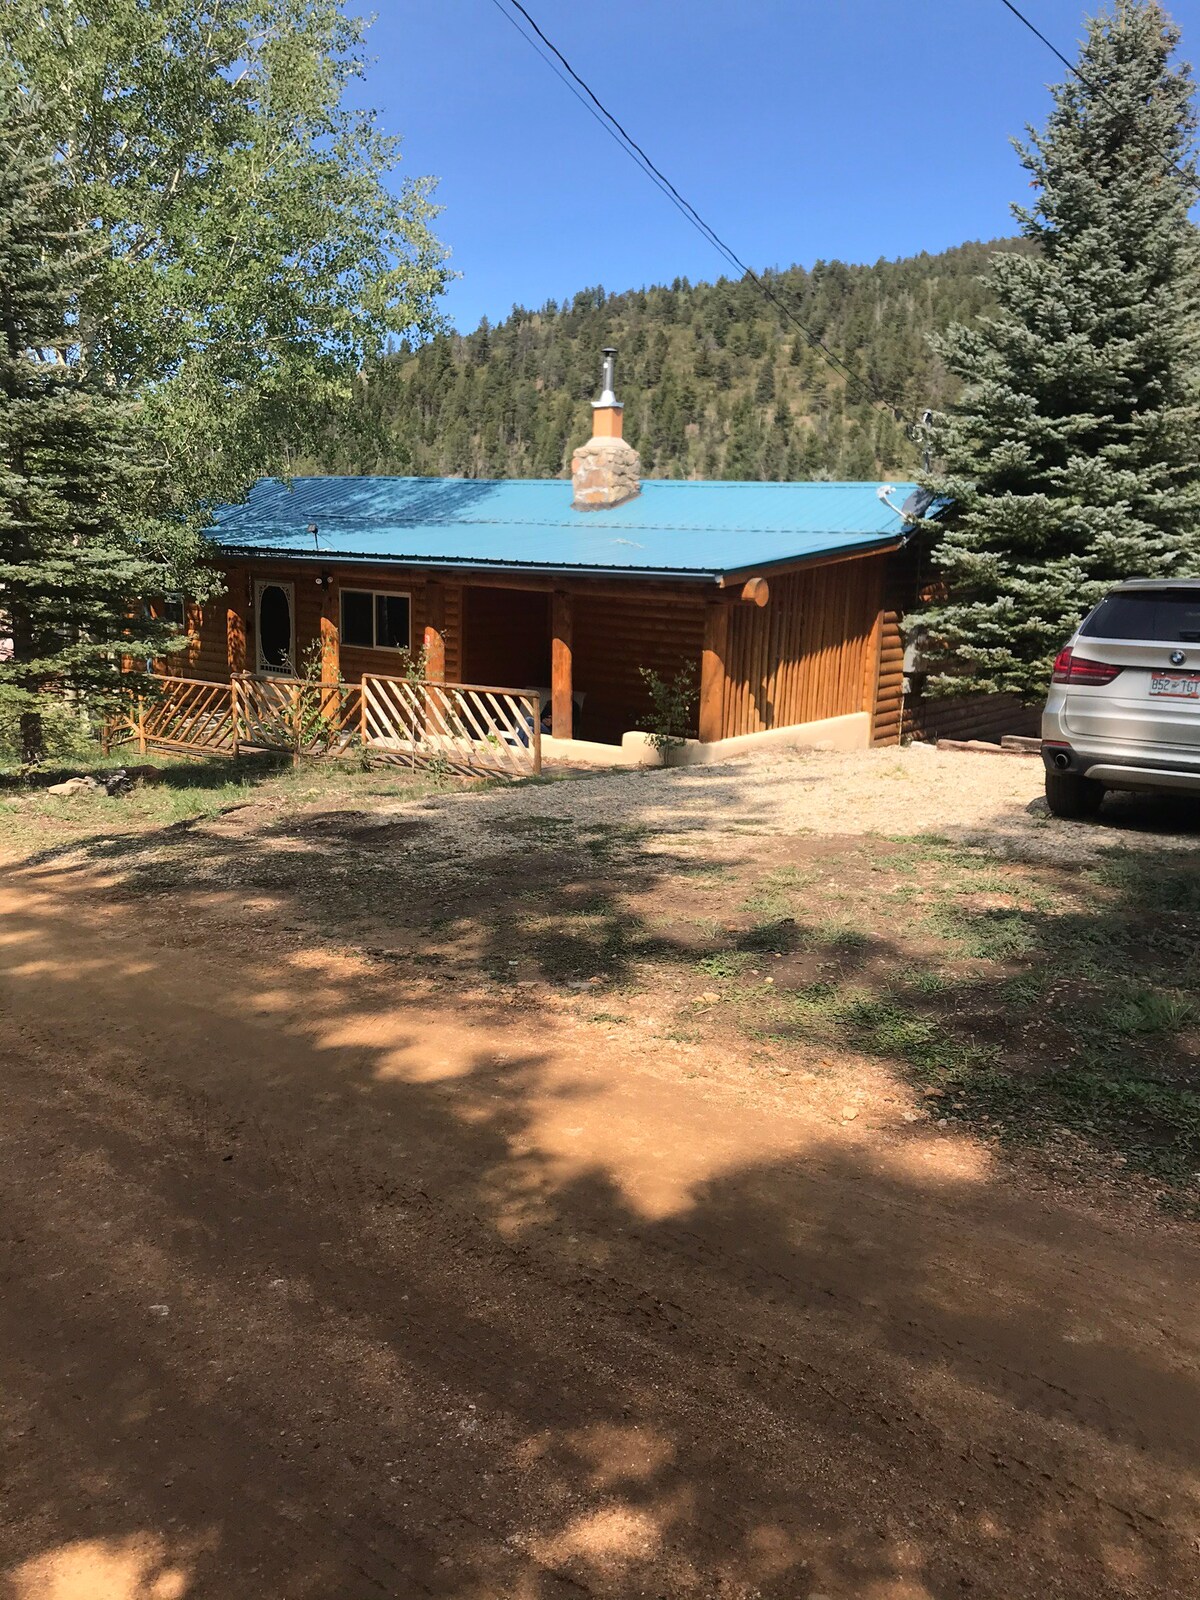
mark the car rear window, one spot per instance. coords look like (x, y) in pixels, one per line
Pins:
(1160, 614)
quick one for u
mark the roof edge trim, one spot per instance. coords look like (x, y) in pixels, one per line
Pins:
(331, 558)
(818, 558)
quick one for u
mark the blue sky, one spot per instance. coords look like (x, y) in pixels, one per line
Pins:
(799, 128)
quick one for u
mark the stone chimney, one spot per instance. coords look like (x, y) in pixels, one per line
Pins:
(605, 471)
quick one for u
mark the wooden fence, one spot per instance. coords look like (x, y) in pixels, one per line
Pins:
(182, 714)
(465, 727)
(296, 715)
(452, 727)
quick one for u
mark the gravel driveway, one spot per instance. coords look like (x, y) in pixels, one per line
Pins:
(892, 792)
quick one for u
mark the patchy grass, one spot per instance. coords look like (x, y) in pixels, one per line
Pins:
(725, 963)
(777, 894)
(182, 789)
(1153, 1125)
(840, 935)
(186, 790)
(828, 1014)
(981, 935)
(704, 872)
(1138, 1012)
(1039, 1001)
(1043, 998)
(932, 983)
(1022, 992)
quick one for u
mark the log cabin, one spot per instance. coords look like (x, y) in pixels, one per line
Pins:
(782, 598)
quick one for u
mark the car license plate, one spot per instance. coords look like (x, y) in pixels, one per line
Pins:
(1178, 685)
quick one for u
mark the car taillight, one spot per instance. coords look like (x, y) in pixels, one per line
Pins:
(1062, 666)
(1070, 668)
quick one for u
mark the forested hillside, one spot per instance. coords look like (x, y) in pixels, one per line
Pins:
(716, 382)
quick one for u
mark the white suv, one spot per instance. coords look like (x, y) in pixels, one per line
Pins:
(1124, 706)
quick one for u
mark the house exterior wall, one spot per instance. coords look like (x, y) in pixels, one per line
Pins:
(900, 716)
(505, 637)
(811, 653)
(210, 656)
(899, 591)
(206, 653)
(970, 716)
(615, 637)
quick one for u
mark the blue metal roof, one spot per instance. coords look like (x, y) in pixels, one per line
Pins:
(676, 529)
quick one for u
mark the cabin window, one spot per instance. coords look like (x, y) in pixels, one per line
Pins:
(171, 610)
(375, 620)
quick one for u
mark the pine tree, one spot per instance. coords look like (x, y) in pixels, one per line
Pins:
(409, 397)
(774, 459)
(1073, 456)
(742, 456)
(78, 535)
(656, 359)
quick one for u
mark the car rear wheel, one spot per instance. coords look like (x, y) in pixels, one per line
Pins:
(1069, 795)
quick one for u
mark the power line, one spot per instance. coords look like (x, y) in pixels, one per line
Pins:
(590, 109)
(1174, 166)
(583, 92)
(1053, 48)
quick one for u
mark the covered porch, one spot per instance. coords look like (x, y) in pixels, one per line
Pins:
(770, 596)
(579, 647)
(798, 647)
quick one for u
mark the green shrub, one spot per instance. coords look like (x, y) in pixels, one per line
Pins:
(672, 707)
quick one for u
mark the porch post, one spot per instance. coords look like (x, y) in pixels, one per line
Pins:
(239, 618)
(435, 632)
(235, 640)
(712, 671)
(562, 706)
(331, 652)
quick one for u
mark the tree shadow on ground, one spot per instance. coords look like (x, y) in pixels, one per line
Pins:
(1151, 814)
(209, 772)
(325, 1282)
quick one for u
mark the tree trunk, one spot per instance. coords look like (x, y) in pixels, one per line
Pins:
(33, 739)
(32, 729)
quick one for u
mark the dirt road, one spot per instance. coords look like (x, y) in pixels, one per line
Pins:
(325, 1278)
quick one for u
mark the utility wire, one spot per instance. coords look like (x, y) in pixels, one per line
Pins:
(583, 92)
(1053, 48)
(1174, 166)
(590, 109)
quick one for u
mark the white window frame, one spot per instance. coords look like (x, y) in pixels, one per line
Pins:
(264, 668)
(389, 594)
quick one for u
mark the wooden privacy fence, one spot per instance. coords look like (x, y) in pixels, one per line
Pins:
(466, 727)
(453, 727)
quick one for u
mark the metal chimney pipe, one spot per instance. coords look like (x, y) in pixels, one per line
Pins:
(607, 396)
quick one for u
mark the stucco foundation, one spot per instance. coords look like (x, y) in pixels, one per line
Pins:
(850, 732)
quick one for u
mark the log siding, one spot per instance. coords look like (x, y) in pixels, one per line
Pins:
(808, 654)
(901, 711)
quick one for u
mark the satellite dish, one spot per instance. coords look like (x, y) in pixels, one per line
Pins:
(917, 504)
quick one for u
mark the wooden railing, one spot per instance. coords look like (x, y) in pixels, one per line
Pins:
(303, 717)
(465, 727)
(192, 714)
(456, 727)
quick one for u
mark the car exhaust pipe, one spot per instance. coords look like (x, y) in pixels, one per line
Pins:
(1062, 760)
